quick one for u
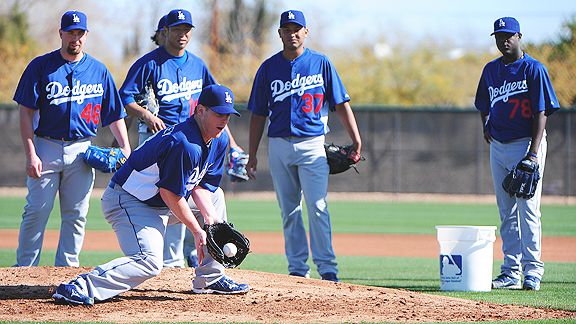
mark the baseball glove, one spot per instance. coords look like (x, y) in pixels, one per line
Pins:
(341, 158)
(522, 180)
(105, 159)
(237, 161)
(217, 235)
(148, 100)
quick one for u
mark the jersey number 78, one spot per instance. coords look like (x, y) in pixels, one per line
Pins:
(524, 105)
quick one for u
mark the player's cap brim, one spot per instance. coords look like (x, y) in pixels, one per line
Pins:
(224, 110)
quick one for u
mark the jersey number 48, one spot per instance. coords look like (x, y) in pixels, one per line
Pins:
(91, 115)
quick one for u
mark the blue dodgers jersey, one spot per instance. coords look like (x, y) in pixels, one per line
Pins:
(296, 95)
(176, 159)
(176, 86)
(511, 94)
(72, 98)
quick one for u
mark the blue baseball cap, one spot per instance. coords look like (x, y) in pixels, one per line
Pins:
(178, 17)
(506, 25)
(219, 99)
(73, 20)
(161, 23)
(292, 16)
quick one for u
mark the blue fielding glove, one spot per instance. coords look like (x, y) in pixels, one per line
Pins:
(104, 159)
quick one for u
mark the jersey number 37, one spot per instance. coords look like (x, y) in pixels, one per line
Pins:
(309, 102)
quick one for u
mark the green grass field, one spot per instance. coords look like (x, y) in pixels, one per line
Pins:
(416, 274)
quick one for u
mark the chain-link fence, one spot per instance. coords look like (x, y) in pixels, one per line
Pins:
(406, 150)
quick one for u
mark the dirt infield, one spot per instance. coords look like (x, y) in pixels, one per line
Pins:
(555, 249)
(25, 292)
(25, 296)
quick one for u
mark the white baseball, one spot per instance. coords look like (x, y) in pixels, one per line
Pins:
(230, 249)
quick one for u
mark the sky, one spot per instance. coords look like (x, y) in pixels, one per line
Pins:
(466, 23)
(343, 24)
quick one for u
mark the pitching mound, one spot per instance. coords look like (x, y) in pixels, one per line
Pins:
(25, 295)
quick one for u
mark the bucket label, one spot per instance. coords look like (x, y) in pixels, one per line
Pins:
(450, 268)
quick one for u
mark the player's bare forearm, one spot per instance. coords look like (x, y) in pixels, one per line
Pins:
(257, 124)
(348, 120)
(202, 199)
(134, 109)
(485, 131)
(179, 207)
(120, 132)
(154, 123)
(33, 162)
(181, 210)
(538, 126)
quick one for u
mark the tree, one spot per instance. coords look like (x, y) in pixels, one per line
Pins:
(16, 48)
(236, 43)
(558, 56)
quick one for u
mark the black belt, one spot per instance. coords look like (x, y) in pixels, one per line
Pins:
(60, 138)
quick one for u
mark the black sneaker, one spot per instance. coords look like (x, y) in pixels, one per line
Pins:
(330, 276)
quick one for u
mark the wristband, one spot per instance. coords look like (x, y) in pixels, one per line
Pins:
(532, 154)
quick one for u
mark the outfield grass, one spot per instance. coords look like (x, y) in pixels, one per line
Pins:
(347, 217)
(416, 274)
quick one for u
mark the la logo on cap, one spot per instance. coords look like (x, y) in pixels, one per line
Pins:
(501, 23)
(181, 15)
(75, 18)
(228, 97)
(291, 15)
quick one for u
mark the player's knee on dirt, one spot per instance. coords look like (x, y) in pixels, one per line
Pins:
(148, 266)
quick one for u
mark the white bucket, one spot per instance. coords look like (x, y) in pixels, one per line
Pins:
(466, 257)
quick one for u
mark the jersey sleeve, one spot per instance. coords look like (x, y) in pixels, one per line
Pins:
(482, 100)
(138, 75)
(27, 93)
(542, 95)
(113, 109)
(260, 94)
(335, 91)
(176, 167)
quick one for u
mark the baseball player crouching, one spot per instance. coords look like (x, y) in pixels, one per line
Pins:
(150, 191)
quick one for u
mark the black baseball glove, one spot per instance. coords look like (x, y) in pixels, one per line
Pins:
(341, 158)
(105, 159)
(217, 235)
(522, 180)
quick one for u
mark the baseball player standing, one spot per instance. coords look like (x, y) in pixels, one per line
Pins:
(514, 98)
(176, 77)
(150, 191)
(296, 88)
(63, 96)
